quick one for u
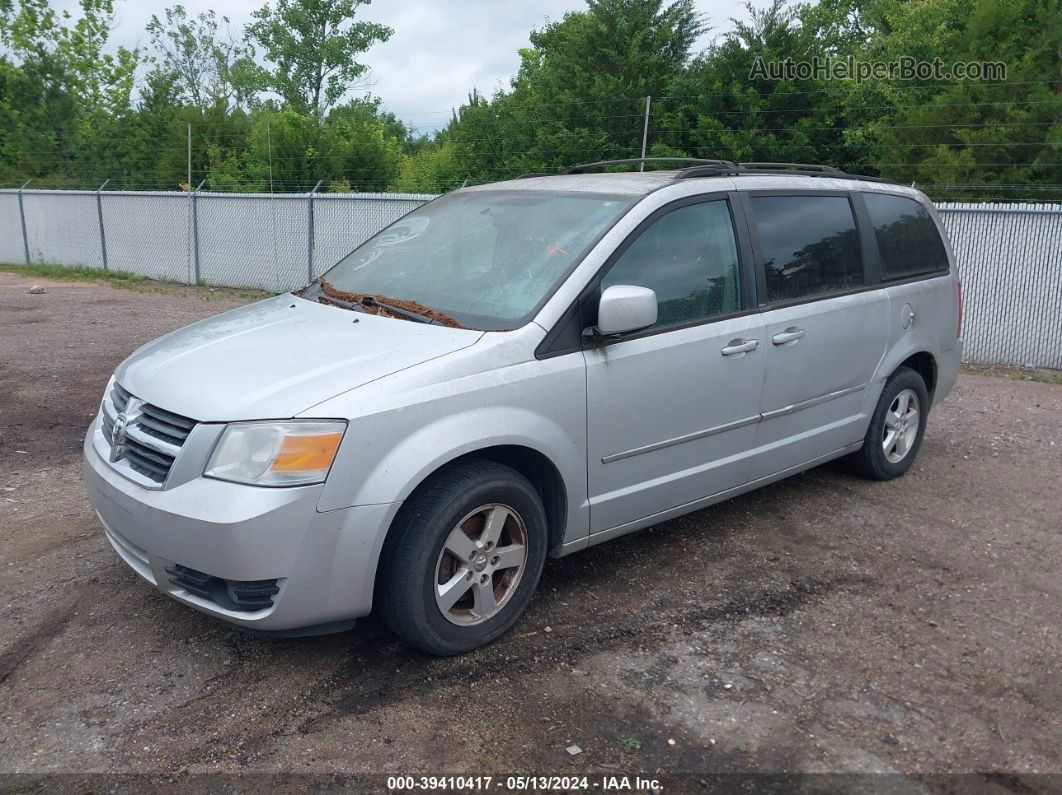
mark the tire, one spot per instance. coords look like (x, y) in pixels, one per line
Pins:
(461, 510)
(873, 460)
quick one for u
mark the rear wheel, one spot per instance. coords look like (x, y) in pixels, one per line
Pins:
(896, 428)
(465, 557)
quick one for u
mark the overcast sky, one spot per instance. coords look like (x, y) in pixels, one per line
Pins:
(440, 49)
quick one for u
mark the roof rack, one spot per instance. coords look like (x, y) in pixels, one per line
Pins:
(723, 169)
(583, 168)
(806, 167)
(701, 167)
(776, 169)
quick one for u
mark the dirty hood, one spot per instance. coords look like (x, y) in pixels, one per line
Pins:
(276, 358)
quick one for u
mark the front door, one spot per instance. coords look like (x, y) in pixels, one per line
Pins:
(672, 411)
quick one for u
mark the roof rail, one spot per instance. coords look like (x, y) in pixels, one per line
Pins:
(775, 169)
(723, 169)
(806, 167)
(700, 167)
(580, 169)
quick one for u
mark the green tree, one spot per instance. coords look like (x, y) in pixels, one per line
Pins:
(430, 170)
(967, 132)
(37, 120)
(365, 146)
(71, 97)
(207, 68)
(71, 113)
(726, 107)
(156, 141)
(312, 45)
(368, 109)
(579, 93)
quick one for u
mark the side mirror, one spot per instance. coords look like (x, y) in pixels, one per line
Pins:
(624, 308)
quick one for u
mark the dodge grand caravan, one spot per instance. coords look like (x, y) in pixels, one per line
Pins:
(518, 370)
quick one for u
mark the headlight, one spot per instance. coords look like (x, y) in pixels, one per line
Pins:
(276, 453)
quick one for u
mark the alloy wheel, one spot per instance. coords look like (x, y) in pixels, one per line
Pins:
(481, 564)
(901, 426)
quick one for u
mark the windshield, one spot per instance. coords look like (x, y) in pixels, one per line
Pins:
(480, 259)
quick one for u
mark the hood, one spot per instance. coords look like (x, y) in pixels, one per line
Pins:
(278, 357)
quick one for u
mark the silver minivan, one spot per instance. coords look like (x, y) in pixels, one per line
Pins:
(521, 370)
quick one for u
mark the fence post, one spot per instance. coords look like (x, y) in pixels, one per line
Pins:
(195, 228)
(99, 214)
(645, 134)
(22, 217)
(309, 231)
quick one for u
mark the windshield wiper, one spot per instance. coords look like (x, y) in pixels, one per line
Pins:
(409, 314)
(360, 302)
(324, 298)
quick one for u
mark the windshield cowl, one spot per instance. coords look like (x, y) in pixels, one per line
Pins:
(383, 305)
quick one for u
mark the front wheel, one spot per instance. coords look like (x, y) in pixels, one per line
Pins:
(896, 428)
(466, 554)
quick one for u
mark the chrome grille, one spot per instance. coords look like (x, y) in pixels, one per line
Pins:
(152, 438)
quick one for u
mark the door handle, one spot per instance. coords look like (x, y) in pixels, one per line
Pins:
(739, 347)
(790, 335)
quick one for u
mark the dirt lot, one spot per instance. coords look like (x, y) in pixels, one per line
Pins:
(824, 624)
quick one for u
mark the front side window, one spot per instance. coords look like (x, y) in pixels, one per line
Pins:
(689, 258)
(479, 259)
(809, 245)
(908, 239)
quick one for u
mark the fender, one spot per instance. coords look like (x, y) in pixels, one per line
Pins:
(391, 450)
(932, 330)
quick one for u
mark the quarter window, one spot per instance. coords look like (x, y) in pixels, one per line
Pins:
(809, 245)
(908, 239)
(689, 258)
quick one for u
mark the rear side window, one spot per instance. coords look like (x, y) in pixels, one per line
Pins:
(689, 258)
(908, 240)
(809, 245)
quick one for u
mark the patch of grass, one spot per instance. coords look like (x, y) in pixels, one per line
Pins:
(75, 274)
(630, 743)
(133, 281)
(1041, 375)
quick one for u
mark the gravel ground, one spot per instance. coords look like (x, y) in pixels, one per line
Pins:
(824, 624)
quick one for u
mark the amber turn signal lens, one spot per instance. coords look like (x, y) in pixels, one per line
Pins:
(307, 453)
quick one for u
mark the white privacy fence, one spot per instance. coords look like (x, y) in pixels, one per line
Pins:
(1009, 256)
(271, 242)
(1010, 261)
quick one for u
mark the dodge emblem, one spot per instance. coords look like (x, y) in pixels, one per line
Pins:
(118, 431)
(121, 422)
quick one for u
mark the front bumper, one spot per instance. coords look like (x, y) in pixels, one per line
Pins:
(324, 563)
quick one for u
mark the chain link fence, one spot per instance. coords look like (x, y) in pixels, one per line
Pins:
(1009, 256)
(272, 242)
(11, 240)
(1010, 261)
